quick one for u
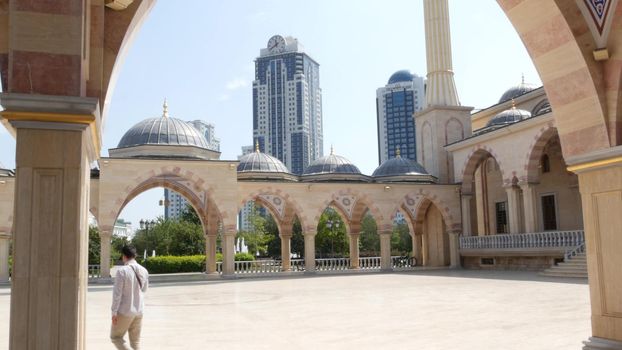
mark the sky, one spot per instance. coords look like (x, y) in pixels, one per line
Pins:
(200, 56)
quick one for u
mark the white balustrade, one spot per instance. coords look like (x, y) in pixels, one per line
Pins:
(298, 264)
(368, 263)
(402, 262)
(94, 271)
(553, 239)
(333, 264)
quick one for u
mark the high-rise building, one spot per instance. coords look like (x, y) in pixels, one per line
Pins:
(287, 104)
(244, 217)
(174, 203)
(396, 102)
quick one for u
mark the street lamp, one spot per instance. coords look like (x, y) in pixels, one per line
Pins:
(332, 224)
(146, 225)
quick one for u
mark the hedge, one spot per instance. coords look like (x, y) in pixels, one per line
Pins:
(178, 264)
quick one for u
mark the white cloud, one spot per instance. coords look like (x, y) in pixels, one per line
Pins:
(236, 84)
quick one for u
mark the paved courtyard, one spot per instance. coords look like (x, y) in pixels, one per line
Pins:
(423, 310)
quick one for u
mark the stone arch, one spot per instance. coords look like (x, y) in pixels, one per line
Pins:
(534, 154)
(541, 107)
(352, 206)
(434, 233)
(454, 130)
(473, 160)
(574, 82)
(281, 205)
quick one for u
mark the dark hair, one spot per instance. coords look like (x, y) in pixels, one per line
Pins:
(129, 252)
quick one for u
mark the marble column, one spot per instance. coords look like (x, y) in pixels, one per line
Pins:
(57, 138)
(425, 250)
(600, 183)
(354, 250)
(454, 249)
(385, 251)
(309, 251)
(210, 253)
(228, 252)
(530, 207)
(105, 245)
(417, 249)
(286, 251)
(5, 241)
(466, 214)
(513, 208)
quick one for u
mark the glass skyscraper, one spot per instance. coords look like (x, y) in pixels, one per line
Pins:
(396, 103)
(287, 104)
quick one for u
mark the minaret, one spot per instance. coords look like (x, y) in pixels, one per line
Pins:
(441, 90)
(443, 121)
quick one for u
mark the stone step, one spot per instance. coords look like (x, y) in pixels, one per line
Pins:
(564, 274)
(567, 269)
(575, 267)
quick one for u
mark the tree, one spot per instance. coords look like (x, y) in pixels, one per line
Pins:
(298, 239)
(401, 241)
(190, 215)
(370, 241)
(331, 241)
(258, 238)
(94, 245)
(171, 237)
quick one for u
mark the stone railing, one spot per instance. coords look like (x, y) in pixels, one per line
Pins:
(95, 271)
(334, 264)
(402, 262)
(552, 239)
(369, 263)
(297, 265)
(574, 252)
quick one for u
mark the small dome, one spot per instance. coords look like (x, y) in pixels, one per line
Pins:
(399, 166)
(508, 116)
(401, 76)
(163, 131)
(331, 164)
(258, 162)
(516, 91)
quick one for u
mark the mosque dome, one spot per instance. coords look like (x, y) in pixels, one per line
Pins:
(164, 130)
(508, 116)
(331, 164)
(399, 166)
(401, 76)
(516, 91)
(259, 162)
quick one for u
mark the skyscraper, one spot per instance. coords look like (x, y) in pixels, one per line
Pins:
(396, 102)
(207, 129)
(287, 104)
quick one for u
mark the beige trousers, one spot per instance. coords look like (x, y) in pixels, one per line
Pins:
(126, 324)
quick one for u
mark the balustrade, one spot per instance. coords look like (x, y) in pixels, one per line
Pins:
(94, 271)
(334, 264)
(369, 263)
(553, 239)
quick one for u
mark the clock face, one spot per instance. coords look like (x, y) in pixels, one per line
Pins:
(276, 44)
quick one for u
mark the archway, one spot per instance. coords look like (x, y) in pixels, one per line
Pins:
(431, 225)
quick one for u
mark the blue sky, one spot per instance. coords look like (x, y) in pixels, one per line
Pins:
(200, 55)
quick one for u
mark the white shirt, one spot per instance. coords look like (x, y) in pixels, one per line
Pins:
(127, 295)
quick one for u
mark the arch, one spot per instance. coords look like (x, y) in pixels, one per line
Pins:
(414, 203)
(352, 205)
(284, 210)
(454, 130)
(541, 107)
(433, 227)
(534, 154)
(473, 160)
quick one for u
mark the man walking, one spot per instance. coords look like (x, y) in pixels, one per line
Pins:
(130, 284)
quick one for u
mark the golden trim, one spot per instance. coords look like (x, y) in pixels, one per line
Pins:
(595, 164)
(86, 119)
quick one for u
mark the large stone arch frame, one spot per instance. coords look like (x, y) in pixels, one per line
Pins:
(534, 154)
(291, 209)
(351, 213)
(478, 155)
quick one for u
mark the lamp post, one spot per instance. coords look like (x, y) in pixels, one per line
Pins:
(332, 224)
(146, 225)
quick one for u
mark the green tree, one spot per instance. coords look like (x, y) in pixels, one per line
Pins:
(170, 237)
(94, 245)
(401, 241)
(257, 238)
(273, 240)
(369, 242)
(298, 239)
(190, 215)
(331, 242)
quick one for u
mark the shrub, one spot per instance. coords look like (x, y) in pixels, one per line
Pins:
(243, 257)
(177, 264)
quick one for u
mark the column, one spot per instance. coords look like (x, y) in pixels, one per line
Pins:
(105, 242)
(5, 241)
(309, 251)
(454, 250)
(600, 183)
(385, 251)
(417, 253)
(354, 250)
(210, 253)
(286, 251)
(425, 255)
(513, 208)
(56, 139)
(466, 214)
(228, 252)
(530, 206)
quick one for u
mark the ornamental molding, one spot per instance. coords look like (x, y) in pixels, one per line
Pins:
(598, 15)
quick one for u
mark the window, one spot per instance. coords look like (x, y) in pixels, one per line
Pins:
(545, 164)
(502, 217)
(549, 213)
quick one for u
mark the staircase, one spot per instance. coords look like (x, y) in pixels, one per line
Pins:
(573, 266)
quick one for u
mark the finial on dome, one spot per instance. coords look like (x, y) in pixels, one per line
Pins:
(398, 152)
(257, 146)
(165, 109)
(332, 150)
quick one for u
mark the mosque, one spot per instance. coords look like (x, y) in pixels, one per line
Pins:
(511, 186)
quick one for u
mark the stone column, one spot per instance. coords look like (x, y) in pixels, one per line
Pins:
(309, 251)
(513, 208)
(210, 253)
(454, 250)
(425, 250)
(286, 251)
(5, 241)
(56, 139)
(385, 251)
(417, 251)
(466, 214)
(228, 252)
(530, 206)
(354, 250)
(600, 183)
(105, 243)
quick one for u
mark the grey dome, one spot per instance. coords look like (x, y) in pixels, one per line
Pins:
(261, 163)
(509, 116)
(399, 166)
(516, 91)
(331, 164)
(163, 131)
(401, 76)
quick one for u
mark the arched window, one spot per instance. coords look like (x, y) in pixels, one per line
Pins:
(545, 164)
